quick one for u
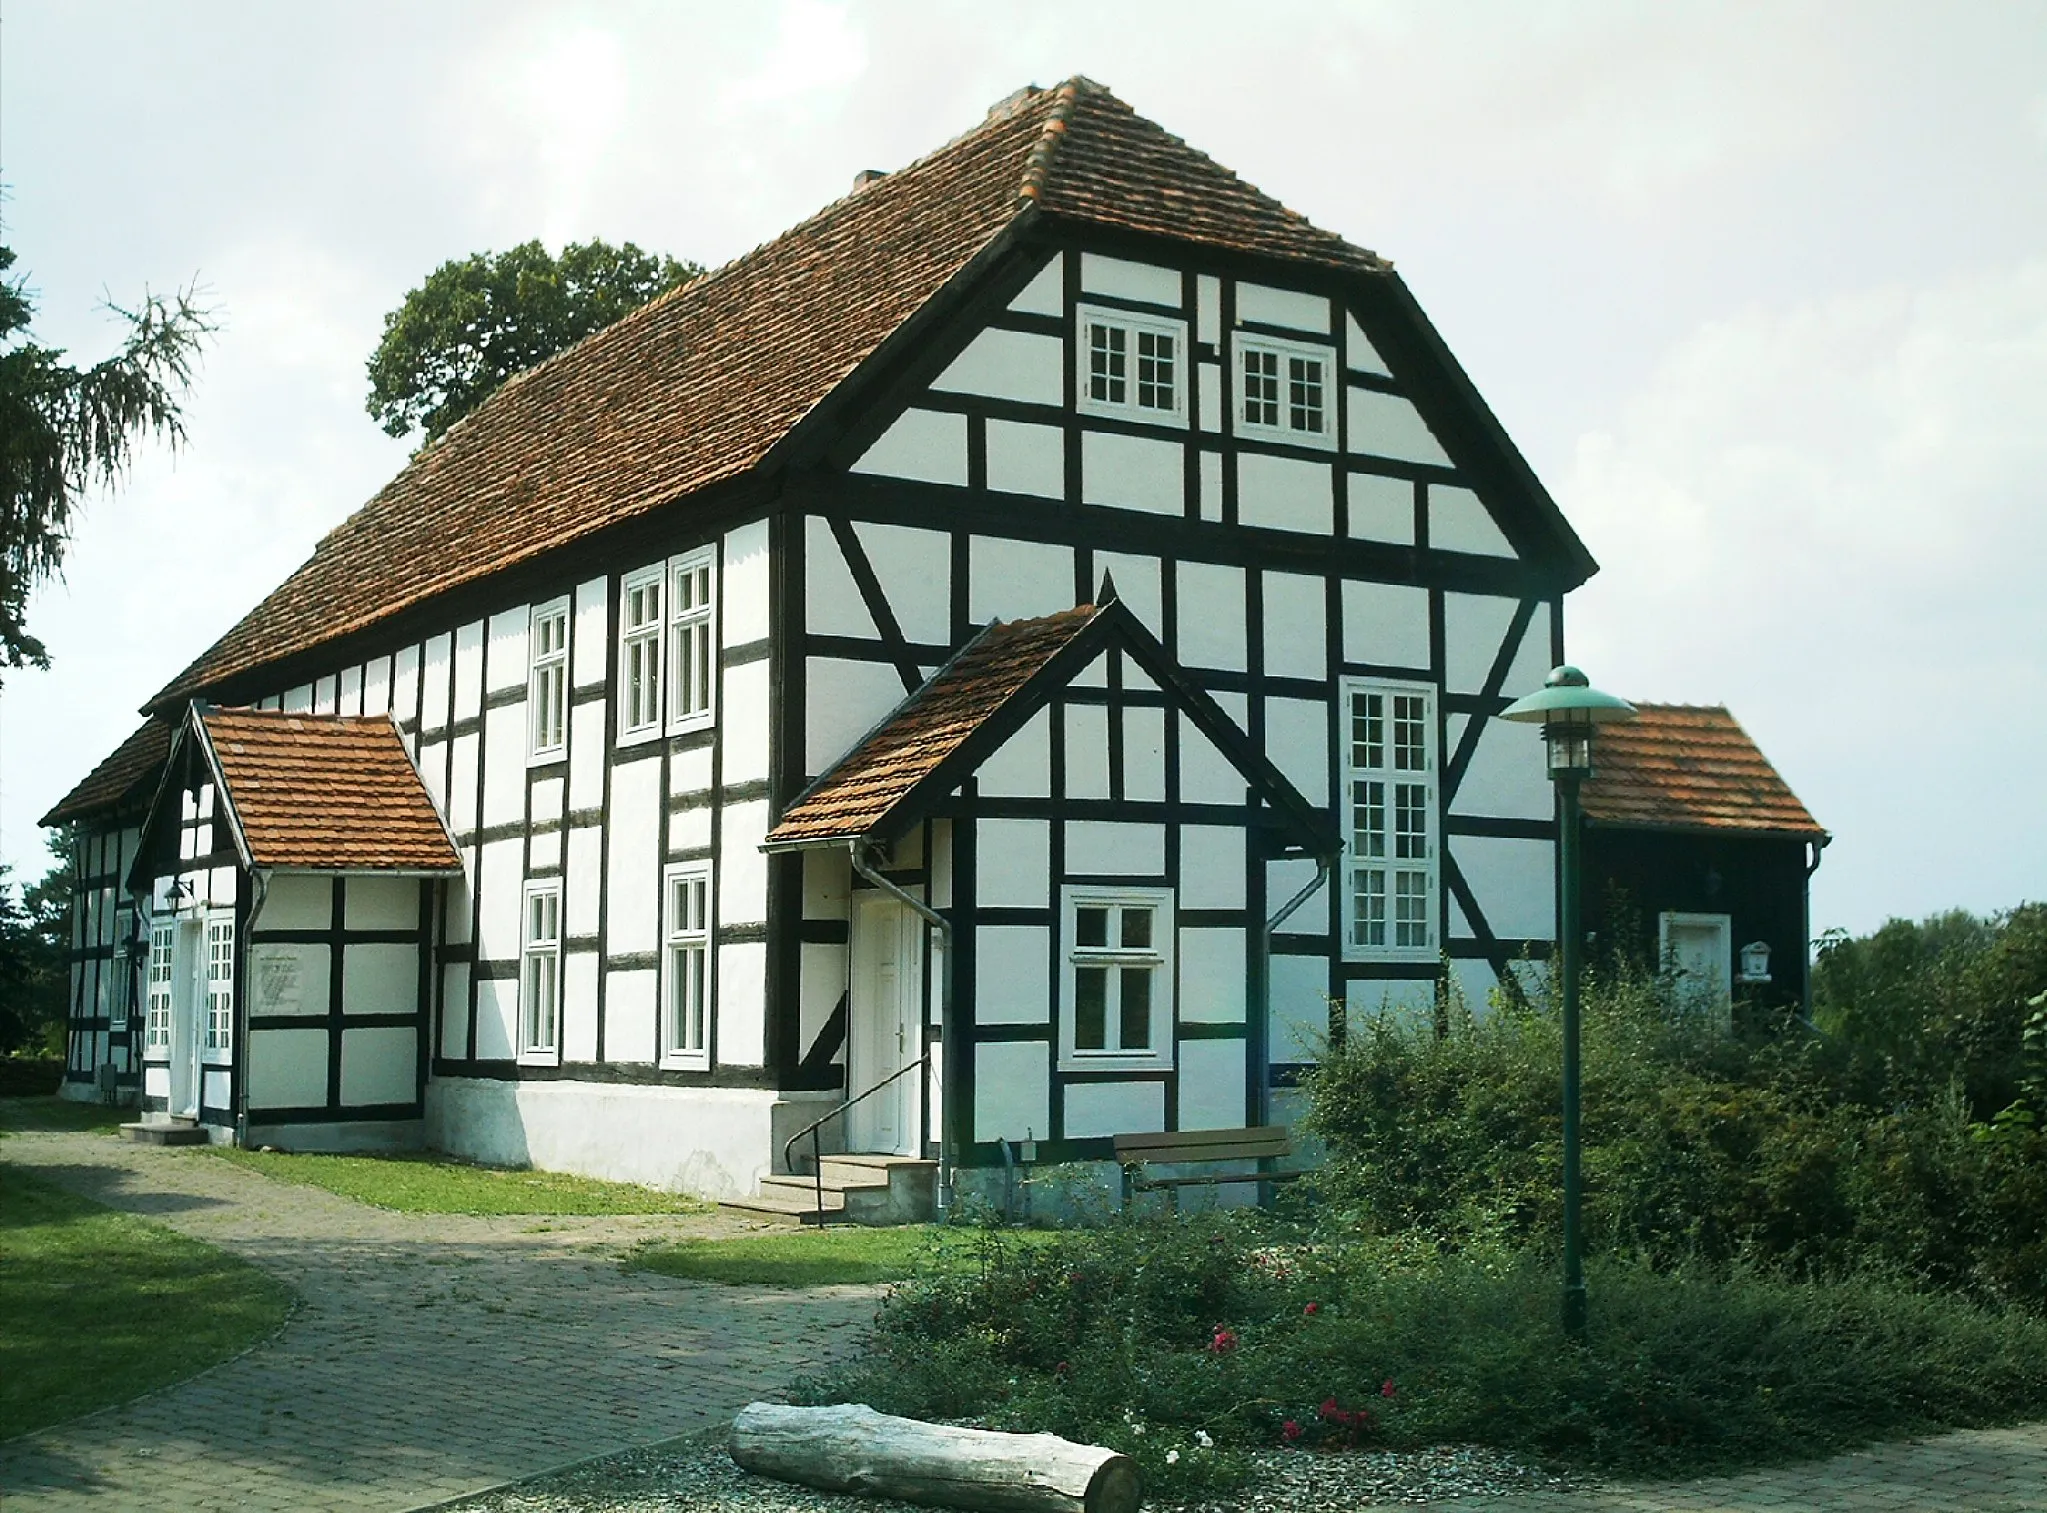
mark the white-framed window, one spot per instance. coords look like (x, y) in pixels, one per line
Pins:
(540, 975)
(639, 652)
(219, 1035)
(1132, 366)
(547, 687)
(1116, 987)
(692, 645)
(686, 966)
(156, 1023)
(1391, 799)
(1285, 391)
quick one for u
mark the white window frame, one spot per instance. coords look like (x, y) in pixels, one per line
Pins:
(540, 963)
(545, 668)
(1363, 820)
(163, 959)
(1160, 958)
(217, 985)
(1134, 326)
(1285, 352)
(691, 622)
(652, 633)
(678, 937)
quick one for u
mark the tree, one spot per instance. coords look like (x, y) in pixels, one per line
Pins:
(62, 429)
(35, 963)
(477, 321)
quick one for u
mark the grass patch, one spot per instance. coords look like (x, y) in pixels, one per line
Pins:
(97, 1307)
(52, 1113)
(822, 1258)
(423, 1182)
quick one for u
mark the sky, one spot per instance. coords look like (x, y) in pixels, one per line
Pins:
(1759, 289)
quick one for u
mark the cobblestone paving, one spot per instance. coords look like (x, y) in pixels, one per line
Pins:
(433, 1355)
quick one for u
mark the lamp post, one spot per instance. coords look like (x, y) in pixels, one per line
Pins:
(1568, 708)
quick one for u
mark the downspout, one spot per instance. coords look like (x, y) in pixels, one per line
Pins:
(1263, 1048)
(948, 1033)
(1805, 926)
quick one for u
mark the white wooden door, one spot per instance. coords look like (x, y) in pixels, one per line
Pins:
(188, 1015)
(882, 1027)
(1699, 950)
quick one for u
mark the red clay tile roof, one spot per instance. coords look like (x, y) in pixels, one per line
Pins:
(926, 728)
(132, 769)
(1689, 767)
(326, 792)
(697, 387)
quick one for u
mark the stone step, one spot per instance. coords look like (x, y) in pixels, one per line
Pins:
(166, 1132)
(773, 1209)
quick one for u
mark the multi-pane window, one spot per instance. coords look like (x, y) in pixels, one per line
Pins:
(156, 1024)
(540, 977)
(1261, 387)
(547, 694)
(690, 641)
(1119, 977)
(220, 984)
(1391, 901)
(639, 659)
(1284, 389)
(685, 967)
(1132, 365)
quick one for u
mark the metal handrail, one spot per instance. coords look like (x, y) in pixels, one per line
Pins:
(811, 1129)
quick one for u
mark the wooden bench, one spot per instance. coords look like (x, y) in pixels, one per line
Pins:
(1265, 1145)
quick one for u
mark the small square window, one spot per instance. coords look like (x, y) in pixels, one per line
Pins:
(1132, 366)
(1283, 391)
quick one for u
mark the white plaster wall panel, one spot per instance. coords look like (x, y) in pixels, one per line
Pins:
(462, 783)
(504, 765)
(586, 755)
(1019, 365)
(1096, 848)
(743, 716)
(927, 446)
(914, 569)
(543, 851)
(1457, 924)
(741, 986)
(1507, 776)
(1380, 508)
(1460, 522)
(1211, 469)
(1386, 624)
(689, 829)
(1012, 974)
(1358, 350)
(1212, 1084)
(823, 985)
(1300, 1010)
(498, 936)
(433, 682)
(1144, 754)
(379, 1065)
(288, 978)
(350, 702)
(1206, 775)
(1476, 982)
(1211, 976)
(1012, 863)
(1531, 664)
(743, 584)
(1410, 1004)
(1026, 459)
(831, 599)
(1137, 586)
(376, 686)
(455, 901)
(1297, 743)
(213, 1088)
(941, 864)
(1045, 294)
(629, 1016)
(1133, 473)
(1012, 1091)
(1210, 389)
(633, 886)
(1087, 751)
(469, 671)
(1013, 580)
(579, 1005)
(582, 887)
(1021, 767)
(547, 800)
(156, 1080)
(1386, 425)
(455, 1010)
(324, 696)
(1211, 867)
(1094, 675)
(743, 867)
(689, 771)
(298, 700)
(1513, 882)
(380, 977)
(1284, 879)
(1124, 279)
(297, 903)
(1211, 614)
(1474, 626)
(1282, 307)
(843, 701)
(1296, 636)
(588, 636)
(1114, 1108)
(1285, 494)
(827, 885)
(507, 663)
(405, 684)
(381, 903)
(1208, 308)
(287, 1069)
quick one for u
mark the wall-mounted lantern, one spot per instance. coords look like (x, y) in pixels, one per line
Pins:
(1755, 961)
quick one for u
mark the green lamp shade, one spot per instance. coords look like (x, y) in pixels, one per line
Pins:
(1567, 698)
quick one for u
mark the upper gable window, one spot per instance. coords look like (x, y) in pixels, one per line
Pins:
(667, 647)
(1284, 391)
(1132, 366)
(547, 693)
(690, 640)
(639, 659)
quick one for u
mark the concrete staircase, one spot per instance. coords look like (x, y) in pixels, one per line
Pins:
(166, 1132)
(858, 1189)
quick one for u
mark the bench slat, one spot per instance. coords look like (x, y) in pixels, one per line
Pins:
(1172, 1157)
(1179, 1139)
(1147, 1184)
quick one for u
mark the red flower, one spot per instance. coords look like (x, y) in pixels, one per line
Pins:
(1290, 1431)
(1224, 1342)
(1386, 1388)
(1061, 1369)
(1312, 1309)
(1330, 1413)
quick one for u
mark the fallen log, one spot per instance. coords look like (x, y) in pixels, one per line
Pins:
(851, 1448)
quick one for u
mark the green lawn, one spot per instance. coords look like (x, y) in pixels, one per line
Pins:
(50, 1113)
(818, 1258)
(97, 1307)
(426, 1183)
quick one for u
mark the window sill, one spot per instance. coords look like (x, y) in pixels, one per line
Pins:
(698, 1061)
(639, 737)
(552, 756)
(694, 724)
(1081, 1061)
(1324, 441)
(1426, 955)
(540, 1058)
(1165, 420)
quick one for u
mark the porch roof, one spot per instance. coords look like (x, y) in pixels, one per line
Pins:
(1690, 767)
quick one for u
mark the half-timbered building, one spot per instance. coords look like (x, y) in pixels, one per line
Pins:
(1028, 637)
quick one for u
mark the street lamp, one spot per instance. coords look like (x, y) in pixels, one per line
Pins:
(1568, 707)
